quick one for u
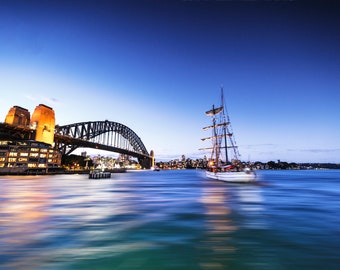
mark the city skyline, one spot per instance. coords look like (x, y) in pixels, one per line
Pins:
(157, 66)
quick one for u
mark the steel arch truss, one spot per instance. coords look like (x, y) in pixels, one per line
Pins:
(105, 135)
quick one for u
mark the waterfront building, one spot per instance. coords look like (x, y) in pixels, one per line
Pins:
(30, 156)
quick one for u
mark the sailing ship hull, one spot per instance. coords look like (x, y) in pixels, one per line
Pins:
(233, 177)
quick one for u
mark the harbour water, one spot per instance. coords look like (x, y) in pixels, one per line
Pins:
(170, 220)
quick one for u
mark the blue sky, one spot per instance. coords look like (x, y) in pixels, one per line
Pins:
(157, 66)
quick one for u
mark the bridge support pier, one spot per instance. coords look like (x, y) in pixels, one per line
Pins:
(146, 163)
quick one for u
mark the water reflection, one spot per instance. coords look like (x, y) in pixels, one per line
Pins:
(167, 220)
(218, 240)
(65, 220)
(251, 205)
(229, 209)
(48, 219)
(24, 220)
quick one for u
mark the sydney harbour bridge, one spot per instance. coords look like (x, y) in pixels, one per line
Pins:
(102, 135)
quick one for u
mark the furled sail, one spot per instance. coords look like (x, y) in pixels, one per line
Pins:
(217, 125)
(222, 147)
(214, 111)
(218, 136)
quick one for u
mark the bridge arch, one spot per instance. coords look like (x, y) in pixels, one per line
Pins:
(104, 135)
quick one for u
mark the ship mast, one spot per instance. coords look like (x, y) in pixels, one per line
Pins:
(229, 131)
(215, 143)
(224, 120)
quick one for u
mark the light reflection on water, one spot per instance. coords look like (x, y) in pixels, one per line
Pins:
(170, 220)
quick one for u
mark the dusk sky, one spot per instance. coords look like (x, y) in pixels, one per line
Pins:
(157, 66)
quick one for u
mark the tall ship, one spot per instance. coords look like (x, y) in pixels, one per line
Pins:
(224, 163)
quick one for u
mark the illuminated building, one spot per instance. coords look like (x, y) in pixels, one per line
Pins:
(27, 156)
(43, 122)
(30, 156)
(18, 116)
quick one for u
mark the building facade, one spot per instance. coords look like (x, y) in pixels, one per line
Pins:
(28, 157)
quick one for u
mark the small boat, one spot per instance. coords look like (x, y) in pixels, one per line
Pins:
(155, 168)
(99, 174)
(222, 138)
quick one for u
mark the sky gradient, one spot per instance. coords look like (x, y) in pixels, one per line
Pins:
(157, 66)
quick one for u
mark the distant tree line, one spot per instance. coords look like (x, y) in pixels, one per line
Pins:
(187, 163)
(282, 165)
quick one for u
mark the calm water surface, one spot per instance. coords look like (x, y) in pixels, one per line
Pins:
(170, 220)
